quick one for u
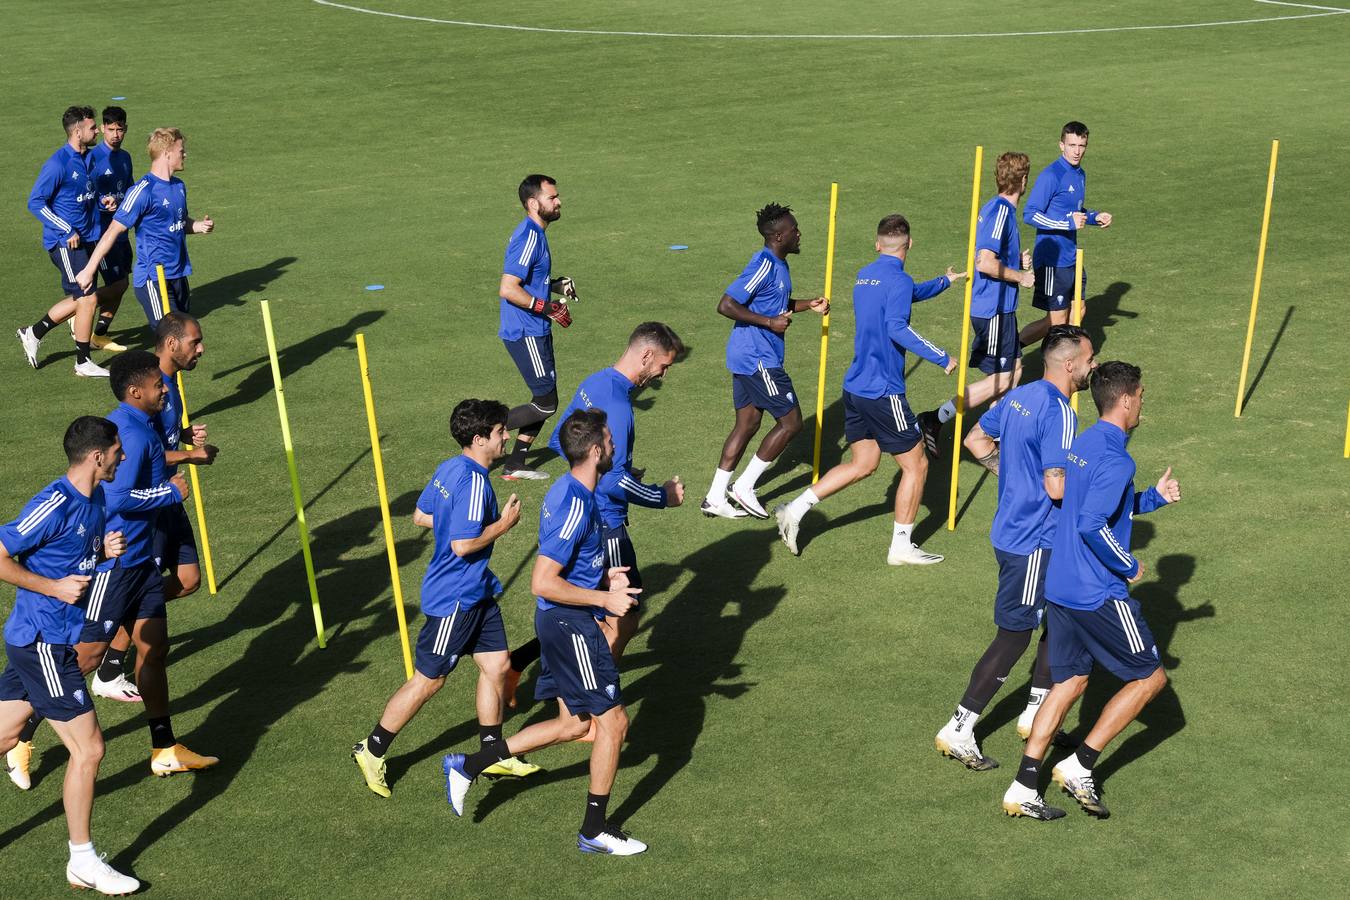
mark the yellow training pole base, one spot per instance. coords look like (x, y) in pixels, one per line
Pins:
(824, 334)
(1256, 289)
(1076, 317)
(384, 502)
(961, 362)
(1347, 432)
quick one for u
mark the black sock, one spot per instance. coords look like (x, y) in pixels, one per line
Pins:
(101, 325)
(380, 739)
(1029, 773)
(1087, 757)
(525, 654)
(490, 736)
(488, 755)
(516, 459)
(81, 351)
(594, 821)
(161, 733)
(111, 666)
(30, 727)
(42, 326)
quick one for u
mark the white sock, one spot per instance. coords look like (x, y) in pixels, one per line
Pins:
(900, 537)
(718, 492)
(83, 854)
(803, 503)
(753, 470)
(963, 722)
(1033, 703)
(946, 412)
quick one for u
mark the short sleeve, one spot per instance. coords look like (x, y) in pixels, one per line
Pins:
(467, 508)
(1058, 427)
(991, 423)
(522, 251)
(750, 282)
(134, 205)
(39, 523)
(561, 529)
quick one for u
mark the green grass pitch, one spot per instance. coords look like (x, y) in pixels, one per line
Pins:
(783, 709)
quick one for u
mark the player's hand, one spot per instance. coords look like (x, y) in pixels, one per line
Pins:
(1168, 487)
(70, 589)
(950, 367)
(180, 482)
(1139, 576)
(620, 597)
(510, 513)
(1026, 259)
(204, 225)
(1028, 278)
(114, 544)
(565, 286)
(74, 240)
(85, 279)
(954, 276)
(199, 434)
(779, 324)
(1104, 219)
(559, 313)
(674, 491)
(819, 304)
(1079, 219)
(203, 455)
(108, 202)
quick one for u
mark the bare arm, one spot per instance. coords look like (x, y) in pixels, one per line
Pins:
(68, 590)
(1053, 479)
(987, 263)
(465, 546)
(739, 312)
(422, 519)
(546, 581)
(85, 277)
(512, 290)
(983, 448)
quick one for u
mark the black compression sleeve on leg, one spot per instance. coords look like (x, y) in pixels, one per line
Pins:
(1040, 671)
(526, 653)
(993, 668)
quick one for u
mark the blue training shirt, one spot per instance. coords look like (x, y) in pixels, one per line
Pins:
(1060, 189)
(609, 390)
(1035, 427)
(59, 533)
(997, 232)
(883, 296)
(569, 534)
(141, 488)
(158, 210)
(169, 423)
(527, 257)
(111, 173)
(1091, 562)
(63, 198)
(461, 502)
(766, 288)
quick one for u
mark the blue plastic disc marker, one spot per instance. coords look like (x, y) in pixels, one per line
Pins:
(679, 246)
(374, 287)
(119, 98)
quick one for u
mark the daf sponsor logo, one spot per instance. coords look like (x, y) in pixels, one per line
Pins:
(598, 560)
(88, 563)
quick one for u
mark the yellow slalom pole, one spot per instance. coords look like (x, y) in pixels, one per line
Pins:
(295, 473)
(962, 360)
(1256, 290)
(384, 502)
(1076, 316)
(824, 333)
(192, 470)
(1347, 432)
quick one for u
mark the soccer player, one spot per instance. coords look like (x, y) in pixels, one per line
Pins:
(760, 304)
(459, 591)
(994, 348)
(111, 169)
(527, 316)
(577, 667)
(48, 553)
(157, 208)
(1091, 616)
(62, 199)
(877, 416)
(1057, 207)
(1024, 441)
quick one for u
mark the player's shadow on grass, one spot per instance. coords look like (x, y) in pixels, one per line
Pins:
(692, 644)
(293, 358)
(1270, 354)
(231, 290)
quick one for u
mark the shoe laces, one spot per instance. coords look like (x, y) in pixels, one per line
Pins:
(614, 831)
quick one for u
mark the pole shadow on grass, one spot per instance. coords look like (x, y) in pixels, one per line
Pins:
(1270, 354)
(230, 290)
(692, 646)
(292, 359)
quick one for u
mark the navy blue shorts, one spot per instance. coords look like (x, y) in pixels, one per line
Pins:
(767, 389)
(1114, 635)
(48, 677)
(1020, 601)
(994, 346)
(117, 264)
(1054, 287)
(619, 552)
(153, 304)
(887, 420)
(174, 544)
(533, 356)
(444, 639)
(121, 596)
(69, 263)
(575, 663)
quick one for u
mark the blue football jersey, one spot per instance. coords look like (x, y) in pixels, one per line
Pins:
(569, 534)
(527, 258)
(111, 172)
(996, 231)
(141, 488)
(766, 288)
(63, 198)
(1035, 427)
(169, 422)
(1060, 189)
(461, 502)
(883, 297)
(158, 210)
(59, 533)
